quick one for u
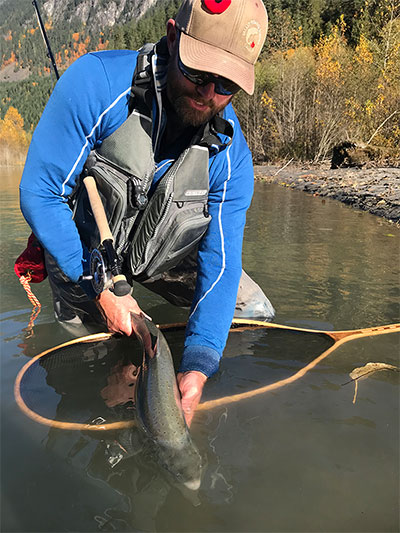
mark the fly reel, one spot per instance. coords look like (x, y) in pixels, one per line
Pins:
(98, 272)
(105, 270)
(104, 264)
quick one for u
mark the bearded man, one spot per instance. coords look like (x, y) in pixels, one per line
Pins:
(157, 130)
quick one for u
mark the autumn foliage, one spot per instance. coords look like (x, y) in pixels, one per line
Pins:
(14, 140)
(323, 77)
(308, 98)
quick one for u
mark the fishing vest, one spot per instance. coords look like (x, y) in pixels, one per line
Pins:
(152, 232)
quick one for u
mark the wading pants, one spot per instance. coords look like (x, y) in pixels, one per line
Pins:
(77, 313)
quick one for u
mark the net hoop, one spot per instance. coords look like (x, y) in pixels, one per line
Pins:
(339, 338)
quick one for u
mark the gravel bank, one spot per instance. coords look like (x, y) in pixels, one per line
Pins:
(376, 190)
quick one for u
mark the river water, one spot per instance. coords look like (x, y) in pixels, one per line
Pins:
(302, 458)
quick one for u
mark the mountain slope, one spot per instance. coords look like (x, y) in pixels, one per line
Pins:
(95, 14)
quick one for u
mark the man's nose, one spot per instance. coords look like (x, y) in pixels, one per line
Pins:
(206, 91)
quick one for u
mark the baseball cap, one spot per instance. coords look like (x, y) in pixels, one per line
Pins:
(224, 37)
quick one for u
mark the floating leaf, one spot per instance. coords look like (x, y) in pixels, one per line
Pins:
(369, 368)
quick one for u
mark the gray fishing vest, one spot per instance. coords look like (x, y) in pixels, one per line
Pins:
(152, 233)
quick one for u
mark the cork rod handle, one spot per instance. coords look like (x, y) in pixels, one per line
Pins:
(98, 209)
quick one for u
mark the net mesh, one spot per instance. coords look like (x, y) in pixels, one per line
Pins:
(94, 382)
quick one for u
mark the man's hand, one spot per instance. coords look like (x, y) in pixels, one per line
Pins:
(191, 387)
(117, 311)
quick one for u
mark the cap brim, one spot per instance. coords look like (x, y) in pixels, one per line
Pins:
(202, 56)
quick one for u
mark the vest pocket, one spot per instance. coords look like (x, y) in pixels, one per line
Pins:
(112, 186)
(181, 230)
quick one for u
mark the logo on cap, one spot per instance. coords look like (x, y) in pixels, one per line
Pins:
(217, 6)
(252, 34)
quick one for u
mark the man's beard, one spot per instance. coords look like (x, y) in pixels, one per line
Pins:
(193, 117)
(179, 100)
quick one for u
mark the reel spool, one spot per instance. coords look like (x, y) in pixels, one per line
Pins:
(99, 276)
(105, 271)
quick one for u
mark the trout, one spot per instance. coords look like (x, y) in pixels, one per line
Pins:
(158, 408)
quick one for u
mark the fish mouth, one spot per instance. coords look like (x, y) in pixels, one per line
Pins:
(192, 484)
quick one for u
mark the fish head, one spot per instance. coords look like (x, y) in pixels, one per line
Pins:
(183, 464)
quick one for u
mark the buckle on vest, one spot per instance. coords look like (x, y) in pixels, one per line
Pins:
(137, 198)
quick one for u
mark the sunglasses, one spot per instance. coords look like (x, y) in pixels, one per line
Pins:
(222, 85)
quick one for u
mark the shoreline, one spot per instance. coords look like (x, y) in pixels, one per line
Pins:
(376, 190)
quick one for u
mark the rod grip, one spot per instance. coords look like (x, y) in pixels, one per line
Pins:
(121, 286)
(97, 208)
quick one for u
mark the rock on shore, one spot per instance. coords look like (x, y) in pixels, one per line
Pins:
(376, 190)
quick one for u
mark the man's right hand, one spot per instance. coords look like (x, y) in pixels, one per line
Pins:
(117, 311)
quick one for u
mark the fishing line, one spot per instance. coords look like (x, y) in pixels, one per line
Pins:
(339, 338)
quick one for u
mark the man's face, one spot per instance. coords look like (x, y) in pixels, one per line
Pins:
(194, 104)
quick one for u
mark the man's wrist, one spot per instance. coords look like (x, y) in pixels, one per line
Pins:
(200, 358)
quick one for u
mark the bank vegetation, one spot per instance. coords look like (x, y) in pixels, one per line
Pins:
(320, 80)
(309, 98)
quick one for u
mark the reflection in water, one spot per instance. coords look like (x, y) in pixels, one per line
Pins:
(97, 382)
(121, 383)
(219, 485)
(322, 261)
(303, 458)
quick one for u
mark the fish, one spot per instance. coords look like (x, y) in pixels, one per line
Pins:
(158, 408)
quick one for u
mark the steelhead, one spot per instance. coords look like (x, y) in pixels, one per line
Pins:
(159, 410)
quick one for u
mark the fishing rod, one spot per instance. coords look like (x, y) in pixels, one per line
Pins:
(104, 262)
(45, 39)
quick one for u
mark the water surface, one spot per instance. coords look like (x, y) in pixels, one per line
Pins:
(301, 458)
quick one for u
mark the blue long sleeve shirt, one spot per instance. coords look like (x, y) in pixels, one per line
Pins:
(89, 102)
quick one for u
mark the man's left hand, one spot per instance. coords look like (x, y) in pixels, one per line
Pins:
(191, 387)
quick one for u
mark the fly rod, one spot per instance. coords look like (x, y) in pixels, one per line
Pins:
(99, 261)
(45, 39)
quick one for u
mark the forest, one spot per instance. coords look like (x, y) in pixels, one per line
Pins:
(329, 72)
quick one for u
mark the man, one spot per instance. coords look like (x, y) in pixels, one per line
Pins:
(178, 115)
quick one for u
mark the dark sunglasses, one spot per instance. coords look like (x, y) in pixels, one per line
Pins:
(222, 85)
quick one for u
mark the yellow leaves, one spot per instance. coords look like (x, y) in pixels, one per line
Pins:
(369, 107)
(330, 71)
(363, 53)
(14, 117)
(342, 24)
(12, 129)
(267, 101)
(75, 36)
(331, 56)
(308, 97)
(289, 53)
(102, 45)
(9, 61)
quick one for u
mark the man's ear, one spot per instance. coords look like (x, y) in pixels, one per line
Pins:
(172, 36)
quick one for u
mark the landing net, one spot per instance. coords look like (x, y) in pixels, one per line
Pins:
(89, 383)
